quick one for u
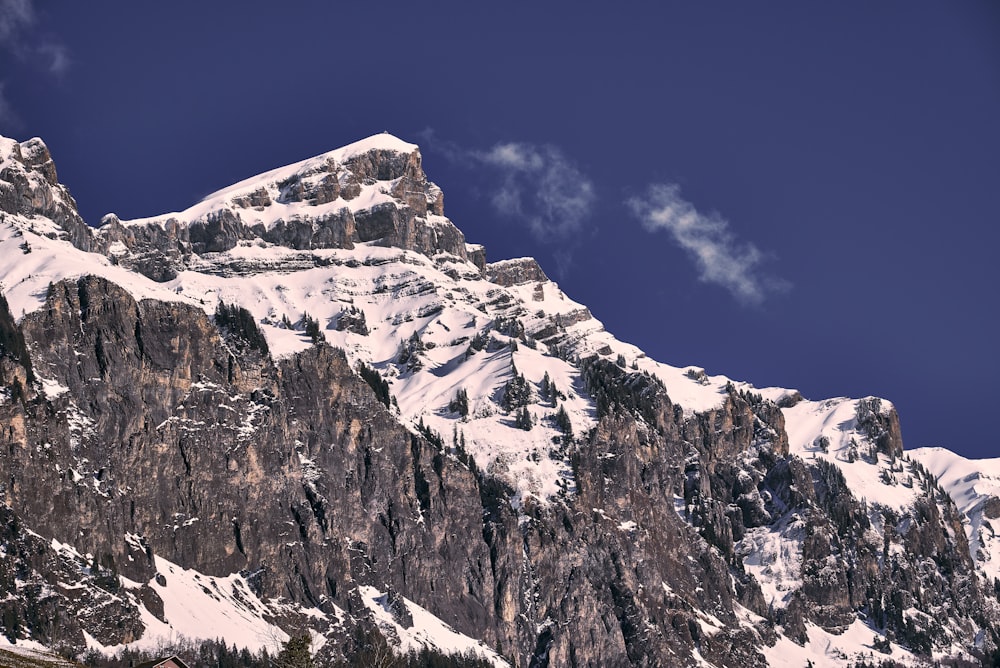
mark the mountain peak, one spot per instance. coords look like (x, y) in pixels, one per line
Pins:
(29, 186)
(373, 190)
(377, 143)
(383, 141)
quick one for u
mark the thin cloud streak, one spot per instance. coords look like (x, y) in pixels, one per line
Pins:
(15, 17)
(538, 185)
(57, 57)
(720, 257)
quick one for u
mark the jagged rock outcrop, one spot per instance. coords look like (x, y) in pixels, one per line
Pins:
(515, 272)
(29, 185)
(605, 510)
(880, 425)
(374, 191)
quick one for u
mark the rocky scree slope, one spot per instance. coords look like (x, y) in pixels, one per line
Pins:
(307, 403)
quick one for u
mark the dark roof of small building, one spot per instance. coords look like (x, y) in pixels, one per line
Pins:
(156, 663)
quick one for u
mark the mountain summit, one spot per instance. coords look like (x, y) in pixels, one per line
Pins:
(306, 405)
(372, 190)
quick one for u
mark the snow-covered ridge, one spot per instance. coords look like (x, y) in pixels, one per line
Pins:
(7, 148)
(374, 190)
(271, 208)
(33, 254)
(830, 430)
(31, 151)
(324, 162)
(974, 486)
(378, 142)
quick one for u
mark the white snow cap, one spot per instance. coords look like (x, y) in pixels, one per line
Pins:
(380, 142)
(383, 141)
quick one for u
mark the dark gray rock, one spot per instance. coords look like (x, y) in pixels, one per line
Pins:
(217, 232)
(880, 425)
(29, 185)
(515, 272)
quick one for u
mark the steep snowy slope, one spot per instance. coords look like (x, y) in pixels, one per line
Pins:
(268, 197)
(974, 485)
(707, 520)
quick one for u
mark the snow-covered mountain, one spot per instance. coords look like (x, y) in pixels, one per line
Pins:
(974, 486)
(306, 402)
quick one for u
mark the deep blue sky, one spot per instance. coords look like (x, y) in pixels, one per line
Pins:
(855, 145)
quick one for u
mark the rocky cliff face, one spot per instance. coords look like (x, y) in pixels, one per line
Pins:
(375, 191)
(384, 432)
(29, 186)
(229, 462)
(515, 272)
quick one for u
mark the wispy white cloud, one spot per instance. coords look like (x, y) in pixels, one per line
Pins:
(536, 185)
(721, 258)
(55, 58)
(540, 187)
(19, 37)
(15, 17)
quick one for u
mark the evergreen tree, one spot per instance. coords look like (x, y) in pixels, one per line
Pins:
(478, 342)
(378, 384)
(460, 404)
(562, 421)
(523, 419)
(312, 328)
(516, 393)
(432, 436)
(409, 352)
(295, 653)
(240, 323)
(10, 622)
(373, 651)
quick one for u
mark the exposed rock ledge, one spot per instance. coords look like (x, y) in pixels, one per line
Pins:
(515, 272)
